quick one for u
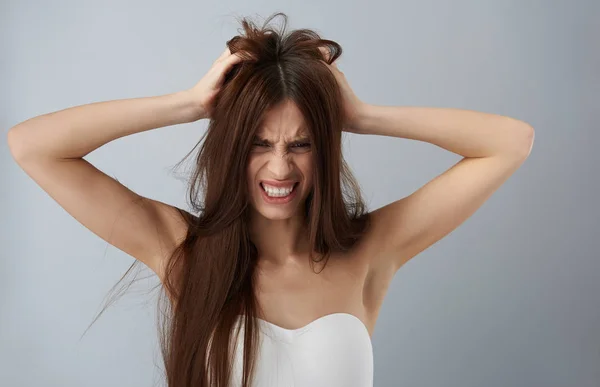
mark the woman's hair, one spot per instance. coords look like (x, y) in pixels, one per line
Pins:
(210, 276)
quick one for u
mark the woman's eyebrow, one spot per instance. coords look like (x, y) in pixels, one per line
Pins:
(302, 138)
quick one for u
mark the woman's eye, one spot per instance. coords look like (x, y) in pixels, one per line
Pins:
(298, 145)
(301, 145)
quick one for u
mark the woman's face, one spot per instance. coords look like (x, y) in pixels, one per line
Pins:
(280, 163)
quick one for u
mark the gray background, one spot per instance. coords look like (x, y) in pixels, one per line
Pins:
(510, 298)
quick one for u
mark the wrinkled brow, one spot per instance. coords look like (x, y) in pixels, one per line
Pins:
(299, 138)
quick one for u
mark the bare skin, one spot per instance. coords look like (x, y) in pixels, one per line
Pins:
(339, 288)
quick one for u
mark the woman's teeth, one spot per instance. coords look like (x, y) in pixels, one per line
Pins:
(277, 192)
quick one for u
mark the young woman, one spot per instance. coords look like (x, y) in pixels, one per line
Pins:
(280, 242)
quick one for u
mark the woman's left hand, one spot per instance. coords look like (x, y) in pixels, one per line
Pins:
(353, 106)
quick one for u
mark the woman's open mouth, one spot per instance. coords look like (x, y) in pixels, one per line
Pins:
(274, 195)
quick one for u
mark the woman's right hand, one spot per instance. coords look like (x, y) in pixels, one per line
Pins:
(204, 92)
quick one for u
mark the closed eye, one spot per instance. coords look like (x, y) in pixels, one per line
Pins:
(298, 145)
(301, 145)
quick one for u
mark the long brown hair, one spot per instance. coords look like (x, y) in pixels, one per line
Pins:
(210, 276)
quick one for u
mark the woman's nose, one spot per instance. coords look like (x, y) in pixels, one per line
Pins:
(280, 165)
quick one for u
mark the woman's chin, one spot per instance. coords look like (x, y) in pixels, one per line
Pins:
(277, 213)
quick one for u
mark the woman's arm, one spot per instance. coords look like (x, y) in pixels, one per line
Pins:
(465, 132)
(493, 147)
(50, 149)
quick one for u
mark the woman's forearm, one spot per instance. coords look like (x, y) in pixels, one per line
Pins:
(76, 131)
(465, 132)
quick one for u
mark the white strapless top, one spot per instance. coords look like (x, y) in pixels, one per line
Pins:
(332, 351)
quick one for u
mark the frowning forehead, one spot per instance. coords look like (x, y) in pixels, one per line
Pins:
(273, 135)
(283, 122)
